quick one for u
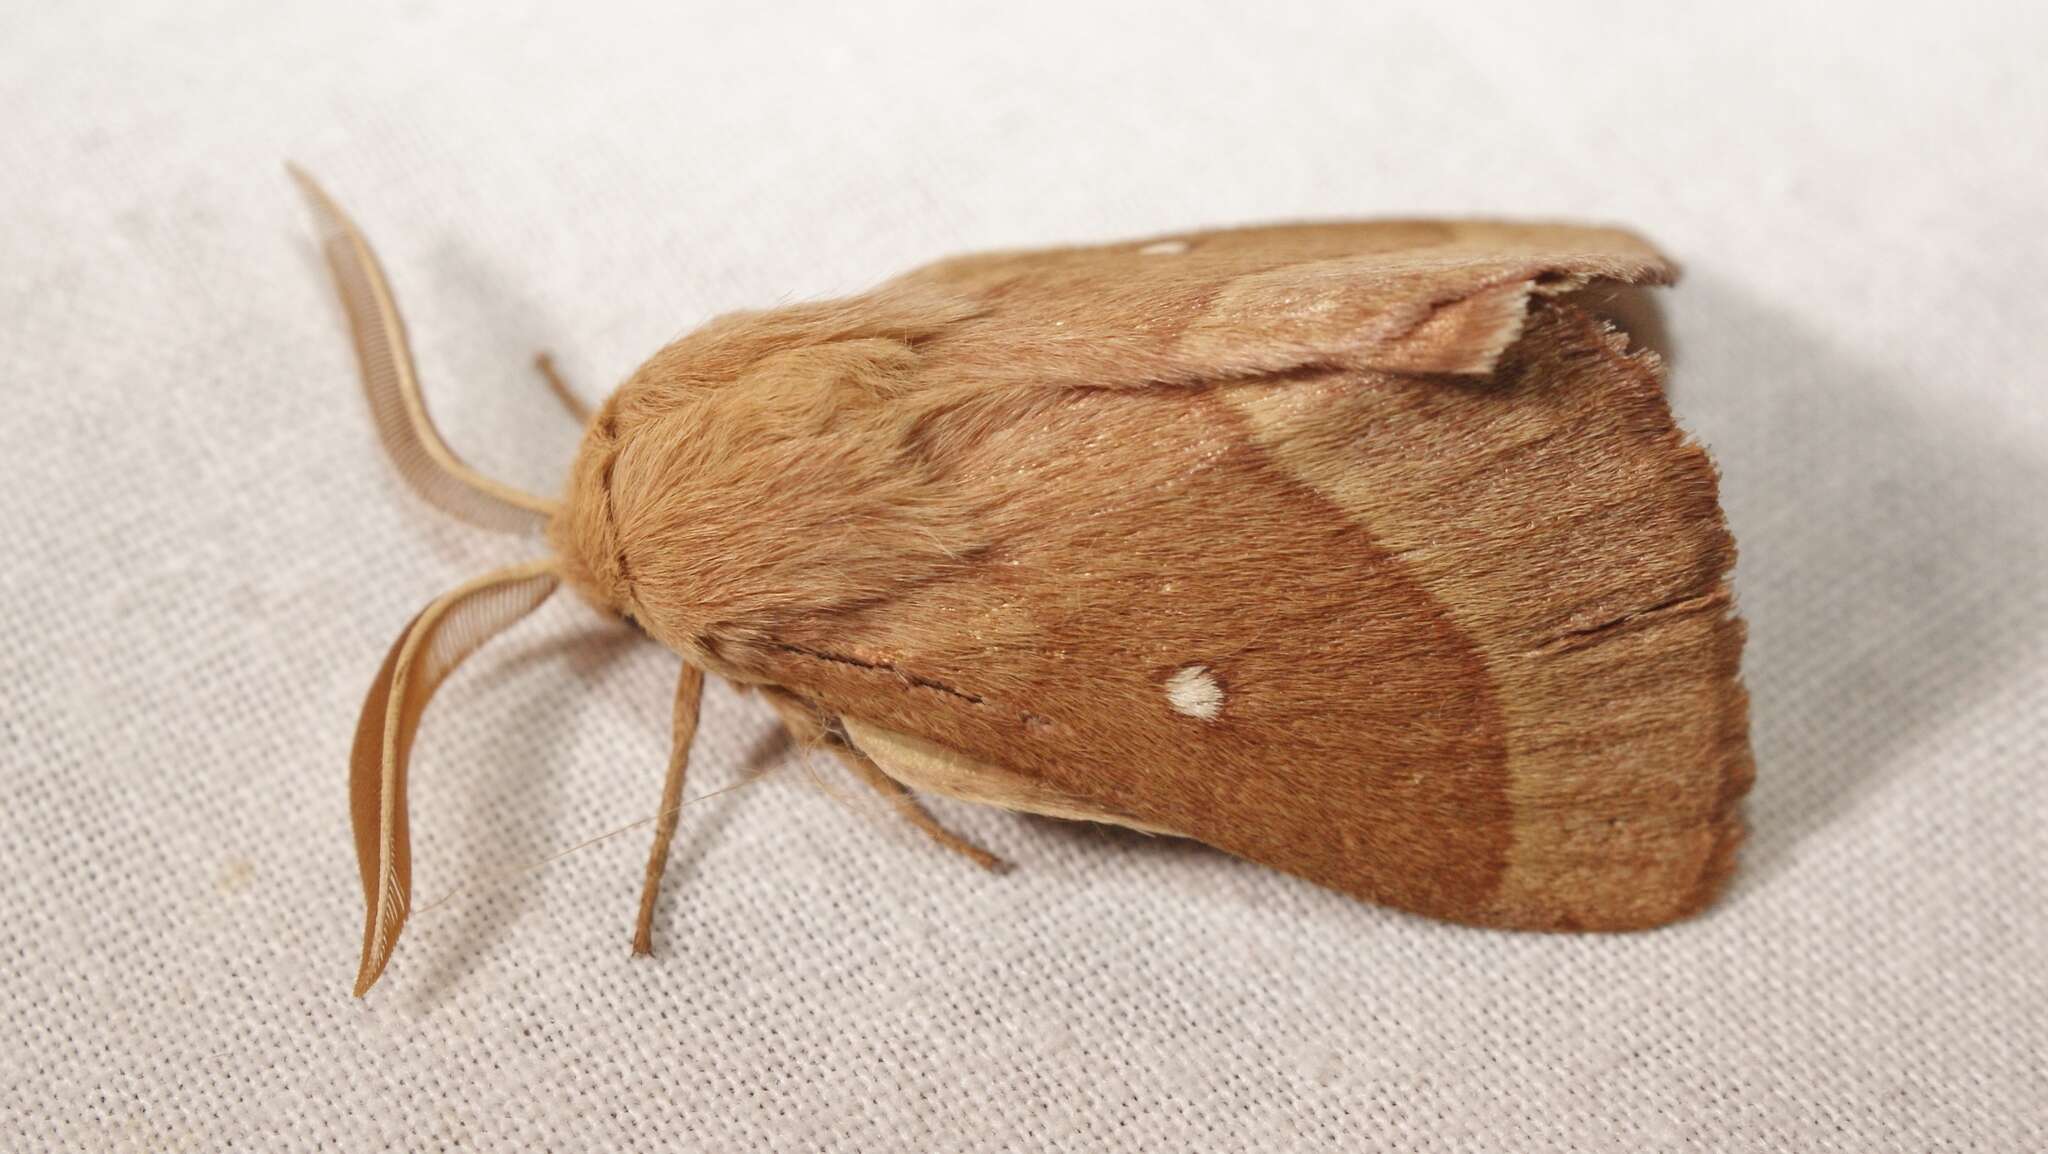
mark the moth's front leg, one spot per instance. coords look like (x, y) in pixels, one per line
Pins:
(689, 698)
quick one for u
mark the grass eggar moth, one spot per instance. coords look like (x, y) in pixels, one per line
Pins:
(1367, 551)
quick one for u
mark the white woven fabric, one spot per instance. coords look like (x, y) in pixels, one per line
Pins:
(207, 554)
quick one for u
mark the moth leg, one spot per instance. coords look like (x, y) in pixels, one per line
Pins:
(811, 727)
(560, 388)
(913, 810)
(689, 694)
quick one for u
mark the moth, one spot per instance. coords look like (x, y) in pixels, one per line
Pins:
(1368, 551)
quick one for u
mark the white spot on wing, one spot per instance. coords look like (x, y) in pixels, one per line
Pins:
(1164, 248)
(1193, 690)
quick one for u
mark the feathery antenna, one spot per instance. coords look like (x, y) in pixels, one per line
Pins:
(391, 382)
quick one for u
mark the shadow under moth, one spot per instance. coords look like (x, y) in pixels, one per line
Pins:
(1366, 551)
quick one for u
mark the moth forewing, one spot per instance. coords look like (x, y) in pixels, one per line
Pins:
(1255, 536)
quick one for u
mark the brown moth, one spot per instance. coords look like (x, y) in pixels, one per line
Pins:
(1367, 551)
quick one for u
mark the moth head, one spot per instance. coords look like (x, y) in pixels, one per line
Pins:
(584, 531)
(723, 497)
